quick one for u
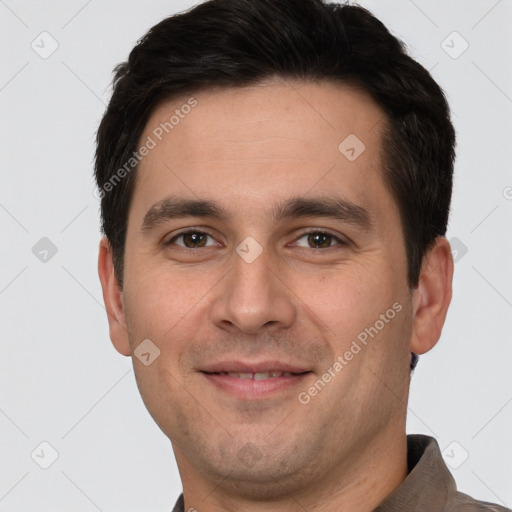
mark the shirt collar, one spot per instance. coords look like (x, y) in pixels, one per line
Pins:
(429, 484)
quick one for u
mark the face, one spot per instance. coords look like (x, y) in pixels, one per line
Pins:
(265, 261)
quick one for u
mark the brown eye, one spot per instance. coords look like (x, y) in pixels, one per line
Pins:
(191, 240)
(318, 240)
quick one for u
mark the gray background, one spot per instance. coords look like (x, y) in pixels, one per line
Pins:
(62, 382)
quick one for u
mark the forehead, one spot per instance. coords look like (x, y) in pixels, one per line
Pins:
(278, 139)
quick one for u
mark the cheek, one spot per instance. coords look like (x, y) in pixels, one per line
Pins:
(349, 299)
(159, 304)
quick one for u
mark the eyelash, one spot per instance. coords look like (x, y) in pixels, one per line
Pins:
(339, 241)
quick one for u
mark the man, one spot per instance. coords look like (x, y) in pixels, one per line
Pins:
(276, 179)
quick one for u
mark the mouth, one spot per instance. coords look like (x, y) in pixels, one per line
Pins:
(272, 374)
(249, 382)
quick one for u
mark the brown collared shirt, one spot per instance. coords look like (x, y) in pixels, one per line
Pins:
(429, 486)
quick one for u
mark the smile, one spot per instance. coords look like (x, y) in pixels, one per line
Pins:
(257, 385)
(257, 376)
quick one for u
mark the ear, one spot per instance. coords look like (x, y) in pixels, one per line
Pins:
(432, 296)
(113, 298)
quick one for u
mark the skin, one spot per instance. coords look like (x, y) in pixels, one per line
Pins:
(249, 149)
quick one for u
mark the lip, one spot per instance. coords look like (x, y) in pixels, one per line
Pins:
(250, 389)
(253, 367)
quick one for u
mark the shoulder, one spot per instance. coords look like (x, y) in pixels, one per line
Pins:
(463, 503)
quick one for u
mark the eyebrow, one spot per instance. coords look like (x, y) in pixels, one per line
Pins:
(297, 207)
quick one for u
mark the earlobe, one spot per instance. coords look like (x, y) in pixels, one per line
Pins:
(113, 298)
(432, 296)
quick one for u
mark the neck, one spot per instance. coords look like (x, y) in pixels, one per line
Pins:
(361, 483)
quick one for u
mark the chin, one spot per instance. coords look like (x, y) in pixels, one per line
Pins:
(256, 472)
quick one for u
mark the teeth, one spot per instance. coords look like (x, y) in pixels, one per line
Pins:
(257, 376)
(266, 375)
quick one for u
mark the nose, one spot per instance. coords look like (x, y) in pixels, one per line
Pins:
(253, 296)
